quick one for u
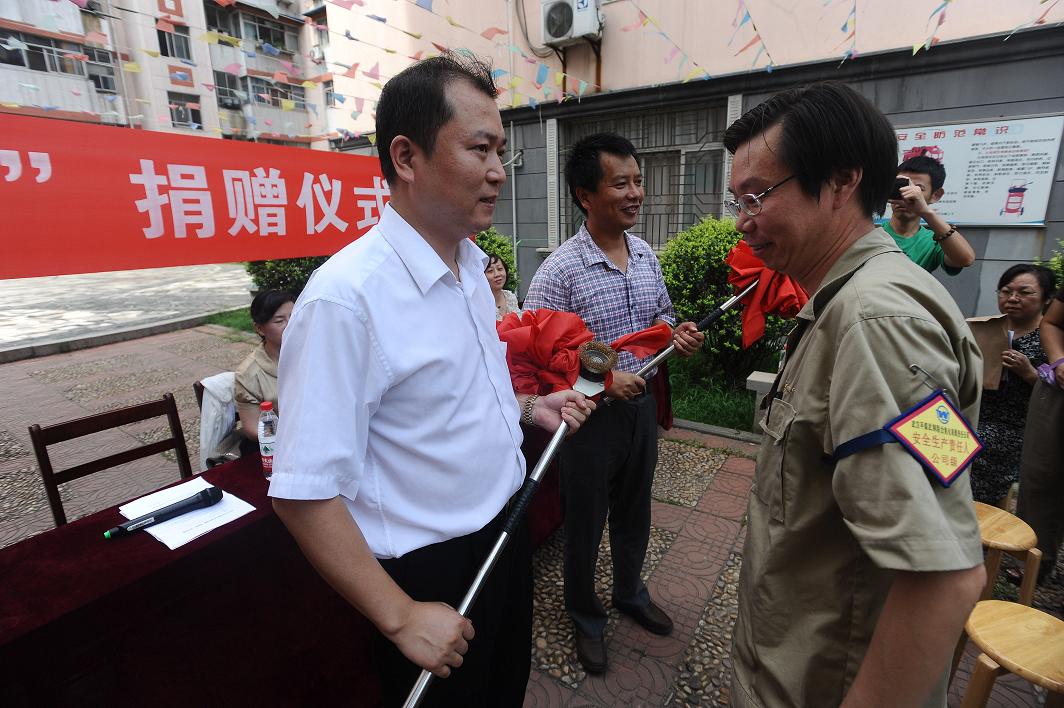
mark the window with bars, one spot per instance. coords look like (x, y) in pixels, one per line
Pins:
(101, 70)
(266, 31)
(175, 44)
(185, 110)
(271, 94)
(330, 97)
(42, 54)
(681, 156)
(228, 90)
(220, 19)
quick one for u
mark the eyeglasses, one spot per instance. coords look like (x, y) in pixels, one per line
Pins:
(1007, 293)
(750, 204)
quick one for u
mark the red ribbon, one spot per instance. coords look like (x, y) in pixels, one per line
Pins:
(541, 348)
(775, 294)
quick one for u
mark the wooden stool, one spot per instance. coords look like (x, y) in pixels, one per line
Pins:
(1018, 639)
(1003, 532)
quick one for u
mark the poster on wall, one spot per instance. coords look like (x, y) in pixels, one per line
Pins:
(998, 173)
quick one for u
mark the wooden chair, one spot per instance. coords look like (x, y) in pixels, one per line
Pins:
(197, 388)
(1018, 639)
(52, 434)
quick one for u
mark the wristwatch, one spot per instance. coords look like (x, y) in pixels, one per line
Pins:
(526, 411)
(939, 239)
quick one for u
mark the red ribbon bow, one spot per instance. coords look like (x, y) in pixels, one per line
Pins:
(775, 294)
(541, 348)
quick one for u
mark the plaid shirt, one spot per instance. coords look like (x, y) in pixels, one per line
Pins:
(579, 278)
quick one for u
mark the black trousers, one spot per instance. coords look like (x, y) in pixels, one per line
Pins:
(495, 670)
(607, 468)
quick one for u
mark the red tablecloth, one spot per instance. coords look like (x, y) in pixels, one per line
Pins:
(237, 617)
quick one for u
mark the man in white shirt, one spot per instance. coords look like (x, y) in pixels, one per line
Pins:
(400, 445)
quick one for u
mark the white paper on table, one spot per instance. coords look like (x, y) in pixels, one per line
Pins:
(180, 530)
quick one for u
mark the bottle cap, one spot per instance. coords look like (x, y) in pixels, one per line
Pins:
(266, 406)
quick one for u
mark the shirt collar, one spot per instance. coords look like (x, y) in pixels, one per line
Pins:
(591, 252)
(268, 365)
(422, 262)
(874, 243)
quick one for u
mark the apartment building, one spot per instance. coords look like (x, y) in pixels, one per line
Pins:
(58, 60)
(236, 70)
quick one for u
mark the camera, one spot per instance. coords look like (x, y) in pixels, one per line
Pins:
(898, 184)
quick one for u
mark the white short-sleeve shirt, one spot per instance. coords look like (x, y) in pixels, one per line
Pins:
(396, 394)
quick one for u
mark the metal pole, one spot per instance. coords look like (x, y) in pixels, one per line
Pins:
(705, 322)
(513, 520)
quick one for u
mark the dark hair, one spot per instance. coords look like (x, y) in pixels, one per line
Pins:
(414, 101)
(266, 304)
(583, 168)
(826, 127)
(492, 258)
(1047, 279)
(924, 165)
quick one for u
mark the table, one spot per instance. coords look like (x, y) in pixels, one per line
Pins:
(236, 617)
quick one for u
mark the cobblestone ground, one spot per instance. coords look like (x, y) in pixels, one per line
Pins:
(692, 567)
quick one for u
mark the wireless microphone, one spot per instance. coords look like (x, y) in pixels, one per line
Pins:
(200, 500)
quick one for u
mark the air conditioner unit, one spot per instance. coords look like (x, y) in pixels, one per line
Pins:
(571, 21)
(316, 54)
(93, 6)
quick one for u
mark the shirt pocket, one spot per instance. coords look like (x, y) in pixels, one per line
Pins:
(768, 479)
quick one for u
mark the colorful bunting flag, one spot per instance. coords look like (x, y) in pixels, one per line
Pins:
(132, 67)
(640, 22)
(541, 75)
(492, 32)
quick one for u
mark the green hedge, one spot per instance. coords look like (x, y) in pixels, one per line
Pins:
(289, 274)
(495, 244)
(697, 278)
(292, 274)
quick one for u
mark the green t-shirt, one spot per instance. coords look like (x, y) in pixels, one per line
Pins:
(922, 249)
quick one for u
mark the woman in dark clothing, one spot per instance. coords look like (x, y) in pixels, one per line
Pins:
(1024, 292)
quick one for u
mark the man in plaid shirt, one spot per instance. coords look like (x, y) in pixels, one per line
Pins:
(613, 281)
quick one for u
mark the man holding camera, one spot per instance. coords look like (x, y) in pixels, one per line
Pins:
(918, 186)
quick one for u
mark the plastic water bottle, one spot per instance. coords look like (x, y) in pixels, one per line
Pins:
(267, 436)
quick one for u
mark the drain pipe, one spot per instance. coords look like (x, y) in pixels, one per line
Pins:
(513, 147)
(513, 201)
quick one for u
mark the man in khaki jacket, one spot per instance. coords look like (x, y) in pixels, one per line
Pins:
(860, 565)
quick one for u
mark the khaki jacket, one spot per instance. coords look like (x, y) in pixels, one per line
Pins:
(825, 538)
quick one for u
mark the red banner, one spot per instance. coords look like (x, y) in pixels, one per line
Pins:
(78, 198)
